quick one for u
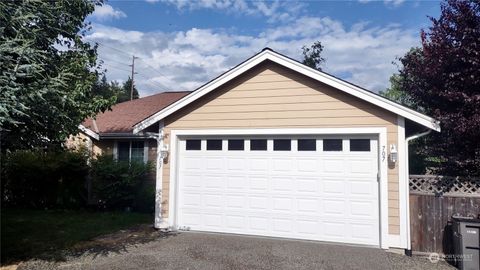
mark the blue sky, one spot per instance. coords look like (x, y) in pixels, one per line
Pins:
(183, 44)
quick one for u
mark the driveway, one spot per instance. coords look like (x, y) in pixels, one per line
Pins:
(189, 250)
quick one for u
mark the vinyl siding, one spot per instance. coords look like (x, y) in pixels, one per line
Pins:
(271, 96)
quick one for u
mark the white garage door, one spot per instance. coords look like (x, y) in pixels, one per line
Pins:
(317, 188)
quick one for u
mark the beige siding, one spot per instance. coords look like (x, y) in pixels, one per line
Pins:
(271, 96)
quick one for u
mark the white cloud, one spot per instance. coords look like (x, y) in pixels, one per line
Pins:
(393, 3)
(107, 12)
(184, 60)
(274, 10)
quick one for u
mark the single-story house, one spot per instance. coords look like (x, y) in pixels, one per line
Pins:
(272, 148)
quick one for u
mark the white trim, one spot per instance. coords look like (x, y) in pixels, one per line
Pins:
(394, 240)
(382, 157)
(404, 212)
(383, 172)
(159, 221)
(298, 67)
(89, 132)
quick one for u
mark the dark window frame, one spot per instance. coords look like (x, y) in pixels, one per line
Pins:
(129, 145)
(304, 145)
(193, 147)
(259, 147)
(280, 147)
(213, 147)
(364, 145)
(332, 147)
(232, 147)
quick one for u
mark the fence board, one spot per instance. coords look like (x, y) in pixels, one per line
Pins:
(430, 218)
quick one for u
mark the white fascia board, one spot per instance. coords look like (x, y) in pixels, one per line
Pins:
(89, 132)
(298, 67)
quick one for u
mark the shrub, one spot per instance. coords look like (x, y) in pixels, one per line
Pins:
(39, 179)
(117, 184)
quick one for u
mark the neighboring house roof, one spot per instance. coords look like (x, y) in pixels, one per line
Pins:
(270, 55)
(123, 116)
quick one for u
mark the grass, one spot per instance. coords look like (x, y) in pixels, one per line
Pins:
(29, 234)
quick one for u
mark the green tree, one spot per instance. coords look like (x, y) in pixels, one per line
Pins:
(396, 93)
(312, 56)
(103, 88)
(125, 93)
(46, 72)
(443, 78)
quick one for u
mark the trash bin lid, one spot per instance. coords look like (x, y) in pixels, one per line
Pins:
(459, 218)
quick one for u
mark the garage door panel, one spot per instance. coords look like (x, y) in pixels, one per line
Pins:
(307, 185)
(214, 163)
(280, 183)
(282, 165)
(361, 166)
(317, 195)
(282, 204)
(236, 164)
(333, 166)
(213, 201)
(258, 165)
(235, 201)
(332, 186)
(236, 182)
(258, 183)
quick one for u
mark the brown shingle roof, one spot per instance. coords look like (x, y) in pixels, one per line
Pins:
(124, 115)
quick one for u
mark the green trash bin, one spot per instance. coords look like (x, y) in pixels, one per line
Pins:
(466, 242)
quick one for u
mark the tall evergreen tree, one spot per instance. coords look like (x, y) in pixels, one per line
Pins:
(125, 93)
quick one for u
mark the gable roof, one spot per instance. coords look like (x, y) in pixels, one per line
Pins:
(269, 54)
(123, 116)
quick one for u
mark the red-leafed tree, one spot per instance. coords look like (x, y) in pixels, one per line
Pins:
(443, 79)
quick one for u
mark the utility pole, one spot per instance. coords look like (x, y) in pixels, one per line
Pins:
(133, 73)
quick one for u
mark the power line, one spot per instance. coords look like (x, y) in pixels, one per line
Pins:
(154, 69)
(139, 58)
(106, 60)
(118, 50)
(114, 67)
(156, 84)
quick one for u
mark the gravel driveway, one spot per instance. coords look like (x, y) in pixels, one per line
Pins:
(189, 250)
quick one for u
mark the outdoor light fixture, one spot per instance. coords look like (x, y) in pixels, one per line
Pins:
(164, 151)
(393, 153)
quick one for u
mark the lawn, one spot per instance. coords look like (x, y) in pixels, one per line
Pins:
(31, 233)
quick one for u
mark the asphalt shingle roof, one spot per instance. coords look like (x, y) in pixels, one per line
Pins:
(125, 115)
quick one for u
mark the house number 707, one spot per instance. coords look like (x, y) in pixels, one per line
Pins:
(383, 153)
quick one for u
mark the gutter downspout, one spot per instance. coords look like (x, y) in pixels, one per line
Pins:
(407, 174)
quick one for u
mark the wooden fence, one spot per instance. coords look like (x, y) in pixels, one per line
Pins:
(433, 200)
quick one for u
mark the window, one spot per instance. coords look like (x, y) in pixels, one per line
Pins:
(282, 145)
(137, 151)
(131, 151)
(214, 144)
(193, 145)
(123, 151)
(236, 145)
(332, 145)
(358, 145)
(307, 145)
(258, 145)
